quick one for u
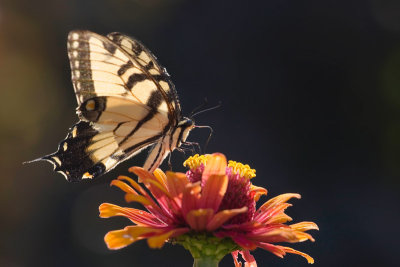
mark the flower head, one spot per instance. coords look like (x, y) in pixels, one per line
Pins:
(213, 204)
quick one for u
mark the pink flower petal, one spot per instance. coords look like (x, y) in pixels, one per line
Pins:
(250, 261)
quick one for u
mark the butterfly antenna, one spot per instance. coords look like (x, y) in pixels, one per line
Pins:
(198, 107)
(209, 136)
(207, 109)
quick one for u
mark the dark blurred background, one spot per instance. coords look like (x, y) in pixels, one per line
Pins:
(311, 100)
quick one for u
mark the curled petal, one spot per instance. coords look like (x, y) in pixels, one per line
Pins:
(279, 199)
(273, 202)
(221, 217)
(267, 216)
(198, 219)
(257, 192)
(301, 236)
(290, 250)
(281, 251)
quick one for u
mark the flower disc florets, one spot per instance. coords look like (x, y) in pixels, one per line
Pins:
(238, 193)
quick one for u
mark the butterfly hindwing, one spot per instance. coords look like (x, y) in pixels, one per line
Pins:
(71, 159)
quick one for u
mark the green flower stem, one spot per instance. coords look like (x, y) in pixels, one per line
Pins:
(205, 262)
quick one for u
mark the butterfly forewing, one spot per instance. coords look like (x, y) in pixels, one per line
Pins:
(126, 102)
(148, 63)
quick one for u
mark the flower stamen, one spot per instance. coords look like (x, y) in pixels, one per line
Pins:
(241, 169)
(195, 161)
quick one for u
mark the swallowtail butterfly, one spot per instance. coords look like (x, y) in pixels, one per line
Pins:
(126, 102)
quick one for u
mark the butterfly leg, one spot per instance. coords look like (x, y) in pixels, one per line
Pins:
(193, 145)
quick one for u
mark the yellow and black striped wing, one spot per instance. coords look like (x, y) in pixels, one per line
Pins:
(126, 102)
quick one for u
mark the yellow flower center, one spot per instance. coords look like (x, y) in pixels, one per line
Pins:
(242, 170)
(194, 162)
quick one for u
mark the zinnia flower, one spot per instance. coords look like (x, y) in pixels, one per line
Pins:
(210, 210)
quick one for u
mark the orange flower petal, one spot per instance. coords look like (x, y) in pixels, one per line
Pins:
(137, 216)
(215, 182)
(142, 174)
(160, 176)
(304, 226)
(160, 187)
(223, 216)
(134, 184)
(268, 215)
(121, 238)
(279, 218)
(176, 183)
(117, 239)
(213, 191)
(216, 165)
(123, 186)
(137, 198)
(158, 241)
(301, 236)
(198, 219)
(276, 235)
(190, 197)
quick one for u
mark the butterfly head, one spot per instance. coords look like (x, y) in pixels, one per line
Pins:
(185, 125)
